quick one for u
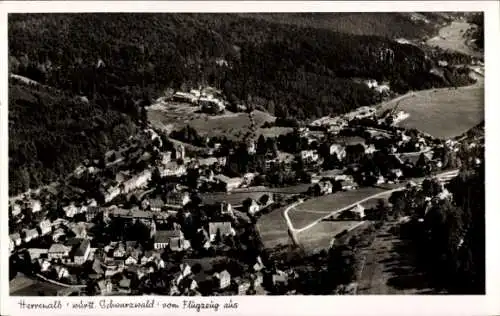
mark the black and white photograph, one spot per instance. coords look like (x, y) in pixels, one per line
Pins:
(246, 154)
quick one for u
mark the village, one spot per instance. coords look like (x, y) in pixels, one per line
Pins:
(149, 217)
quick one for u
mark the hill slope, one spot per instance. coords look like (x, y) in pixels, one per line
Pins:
(50, 133)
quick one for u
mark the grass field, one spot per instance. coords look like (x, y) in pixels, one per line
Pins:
(24, 286)
(446, 112)
(274, 131)
(320, 236)
(273, 229)
(315, 208)
(451, 37)
(234, 125)
(388, 267)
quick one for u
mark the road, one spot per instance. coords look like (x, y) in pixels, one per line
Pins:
(294, 230)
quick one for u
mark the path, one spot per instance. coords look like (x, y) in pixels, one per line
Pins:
(444, 175)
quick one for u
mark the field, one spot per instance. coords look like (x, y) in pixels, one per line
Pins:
(274, 131)
(451, 37)
(23, 286)
(320, 236)
(315, 208)
(273, 229)
(172, 115)
(234, 125)
(444, 113)
(387, 267)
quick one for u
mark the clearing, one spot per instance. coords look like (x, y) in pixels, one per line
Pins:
(173, 115)
(444, 113)
(451, 37)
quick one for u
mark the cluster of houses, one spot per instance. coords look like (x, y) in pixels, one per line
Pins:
(208, 99)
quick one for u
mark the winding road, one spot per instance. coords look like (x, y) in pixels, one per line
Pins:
(443, 175)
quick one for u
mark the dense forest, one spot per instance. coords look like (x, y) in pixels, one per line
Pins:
(51, 132)
(119, 62)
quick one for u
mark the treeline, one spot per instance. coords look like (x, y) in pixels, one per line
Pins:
(51, 133)
(478, 35)
(450, 240)
(295, 71)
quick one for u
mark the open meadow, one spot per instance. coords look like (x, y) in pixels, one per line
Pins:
(273, 230)
(320, 236)
(315, 208)
(444, 113)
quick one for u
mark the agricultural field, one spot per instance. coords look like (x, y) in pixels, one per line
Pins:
(320, 236)
(444, 113)
(315, 208)
(273, 229)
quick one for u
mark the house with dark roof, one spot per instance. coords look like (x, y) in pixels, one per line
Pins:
(82, 251)
(222, 228)
(163, 238)
(175, 199)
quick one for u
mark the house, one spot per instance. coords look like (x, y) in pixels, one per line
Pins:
(16, 239)
(82, 252)
(380, 179)
(398, 173)
(45, 227)
(163, 238)
(227, 183)
(36, 253)
(79, 230)
(339, 150)
(370, 149)
(124, 286)
(258, 265)
(138, 181)
(35, 206)
(211, 105)
(348, 185)
(44, 265)
(62, 272)
(156, 205)
(58, 251)
(172, 169)
(15, 209)
(30, 234)
(119, 252)
(148, 256)
(243, 287)
(279, 278)
(110, 193)
(105, 287)
(226, 208)
(70, 210)
(355, 213)
(132, 259)
(266, 200)
(177, 199)
(223, 279)
(309, 155)
(184, 97)
(58, 234)
(251, 206)
(92, 212)
(222, 228)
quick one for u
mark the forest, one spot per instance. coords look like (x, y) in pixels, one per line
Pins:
(120, 62)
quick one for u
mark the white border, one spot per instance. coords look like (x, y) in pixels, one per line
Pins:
(293, 305)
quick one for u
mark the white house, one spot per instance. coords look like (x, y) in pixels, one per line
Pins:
(229, 184)
(339, 150)
(136, 182)
(45, 227)
(30, 234)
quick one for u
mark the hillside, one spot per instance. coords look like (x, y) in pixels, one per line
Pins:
(386, 24)
(50, 133)
(120, 62)
(273, 63)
